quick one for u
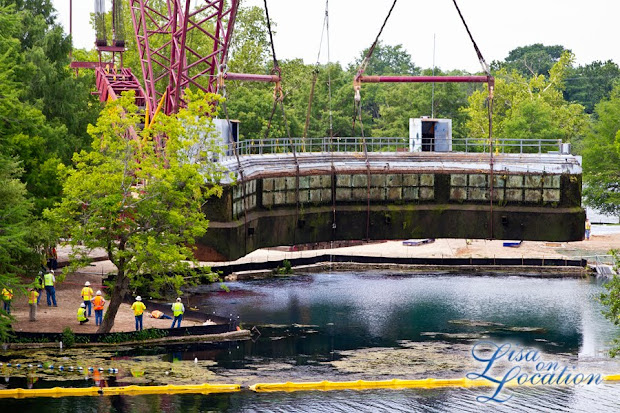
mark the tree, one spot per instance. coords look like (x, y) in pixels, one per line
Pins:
(15, 216)
(533, 60)
(601, 157)
(590, 83)
(611, 300)
(531, 108)
(138, 202)
(387, 60)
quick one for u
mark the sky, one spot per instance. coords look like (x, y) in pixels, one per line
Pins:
(588, 28)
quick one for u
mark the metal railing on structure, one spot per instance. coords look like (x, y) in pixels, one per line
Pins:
(508, 145)
(605, 265)
(384, 144)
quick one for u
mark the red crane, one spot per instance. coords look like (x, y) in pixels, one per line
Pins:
(168, 60)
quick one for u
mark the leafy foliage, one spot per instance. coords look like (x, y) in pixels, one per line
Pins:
(601, 156)
(533, 60)
(531, 108)
(139, 202)
(590, 83)
(611, 300)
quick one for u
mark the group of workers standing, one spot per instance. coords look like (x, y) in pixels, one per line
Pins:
(97, 302)
(91, 301)
(138, 307)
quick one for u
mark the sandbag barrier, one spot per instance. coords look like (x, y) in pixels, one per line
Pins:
(207, 388)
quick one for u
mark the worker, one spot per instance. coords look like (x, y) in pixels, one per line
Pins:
(87, 295)
(138, 308)
(81, 314)
(48, 281)
(588, 229)
(33, 298)
(38, 284)
(177, 311)
(7, 297)
(158, 314)
(98, 303)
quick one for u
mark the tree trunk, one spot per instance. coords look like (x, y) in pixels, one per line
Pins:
(121, 286)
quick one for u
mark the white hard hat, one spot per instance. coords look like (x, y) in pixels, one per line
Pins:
(52, 271)
(138, 298)
(98, 292)
(83, 305)
(179, 299)
(87, 283)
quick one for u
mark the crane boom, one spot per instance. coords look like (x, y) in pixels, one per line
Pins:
(169, 60)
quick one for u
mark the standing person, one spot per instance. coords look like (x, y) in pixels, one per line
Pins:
(588, 229)
(48, 281)
(177, 310)
(7, 297)
(87, 295)
(33, 298)
(138, 308)
(54, 258)
(38, 285)
(81, 314)
(98, 303)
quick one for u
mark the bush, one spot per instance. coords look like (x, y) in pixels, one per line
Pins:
(68, 337)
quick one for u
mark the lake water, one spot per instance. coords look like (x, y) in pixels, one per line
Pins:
(372, 325)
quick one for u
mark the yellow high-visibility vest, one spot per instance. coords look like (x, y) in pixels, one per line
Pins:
(177, 309)
(32, 297)
(87, 293)
(48, 279)
(138, 308)
(81, 314)
(7, 295)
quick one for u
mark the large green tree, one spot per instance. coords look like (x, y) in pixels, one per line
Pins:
(45, 109)
(601, 156)
(590, 83)
(139, 203)
(532, 60)
(528, 108)
(610, 298)
(15, 209)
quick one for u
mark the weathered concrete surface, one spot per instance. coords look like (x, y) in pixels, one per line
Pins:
(284, 201)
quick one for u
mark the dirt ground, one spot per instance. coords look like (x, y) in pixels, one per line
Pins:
(54, 319)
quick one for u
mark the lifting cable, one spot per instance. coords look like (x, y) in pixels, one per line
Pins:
(485, 68)
(357, 114)
(221, 89)
(315, 72)
(325, 33)
(279, 98)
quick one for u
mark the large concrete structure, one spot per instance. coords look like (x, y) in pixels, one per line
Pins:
(288, 199)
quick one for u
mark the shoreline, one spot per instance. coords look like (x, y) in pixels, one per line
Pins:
(56, 319)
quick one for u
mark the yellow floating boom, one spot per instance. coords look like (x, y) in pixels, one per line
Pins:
(385, 384)
(126, 390)
(259, 387)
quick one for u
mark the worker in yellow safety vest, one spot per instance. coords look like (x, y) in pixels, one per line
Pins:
(48, 281)
(98, 303)
(33, 297)
(87, 295)
(81, 314)
(7, 297)
(177, 311)
(588, 229)
(138, 308)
